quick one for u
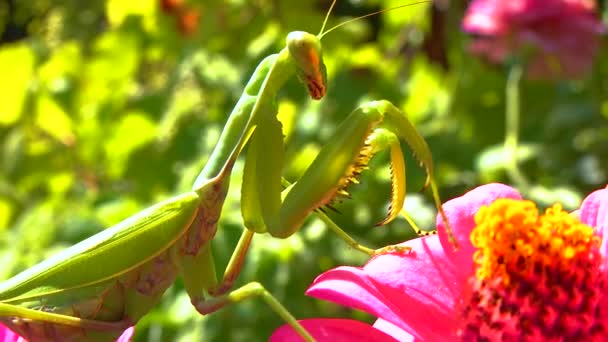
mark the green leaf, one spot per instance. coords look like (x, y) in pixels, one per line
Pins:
(16, 68)
(118, 11)
(6, 212)
(133, 131)
(52, 119)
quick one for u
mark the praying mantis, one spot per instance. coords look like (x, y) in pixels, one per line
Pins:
(95, 289)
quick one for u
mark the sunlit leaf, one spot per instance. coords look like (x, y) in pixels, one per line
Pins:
(133, 131)
(16, 67)
(118, 11)
(52, 119)
(497, 157)
(6, 212)
(65, 62)
(61, 182)
(413, 15)
(287, 117)
(567, 196)
(108, 75)
(428, 93)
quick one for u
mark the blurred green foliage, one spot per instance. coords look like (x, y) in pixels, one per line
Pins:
(109, 106)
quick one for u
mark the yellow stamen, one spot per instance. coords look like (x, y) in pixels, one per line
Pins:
(511, 238)
(537, 278)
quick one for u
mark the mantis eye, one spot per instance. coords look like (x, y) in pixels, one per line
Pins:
(305, 49)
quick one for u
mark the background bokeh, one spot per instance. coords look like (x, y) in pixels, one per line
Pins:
(108, 106)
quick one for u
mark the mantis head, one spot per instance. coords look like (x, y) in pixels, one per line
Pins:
(305, 49)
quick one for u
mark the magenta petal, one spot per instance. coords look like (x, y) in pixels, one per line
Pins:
(558, 37)
(126, 335)
(415, 291)
(7, 335)
(350, 286)
(393, 330)
(482, 18)
(332, 330)
(594, 212)
(461, 215)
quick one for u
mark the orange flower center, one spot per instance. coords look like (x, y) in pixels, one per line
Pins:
(537, 277)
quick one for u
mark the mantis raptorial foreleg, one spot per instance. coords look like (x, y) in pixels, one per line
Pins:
(101, 285)
(373, 127)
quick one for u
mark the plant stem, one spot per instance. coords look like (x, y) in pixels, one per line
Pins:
(512, 127)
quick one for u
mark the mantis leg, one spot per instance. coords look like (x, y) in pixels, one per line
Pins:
(349, 240)
(353, 243)
(235, 265)
(196, 281)
(415, 227)
(373, 127)
(10, 310)
(247, 291)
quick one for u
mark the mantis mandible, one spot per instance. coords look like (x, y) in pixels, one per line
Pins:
(71, 297)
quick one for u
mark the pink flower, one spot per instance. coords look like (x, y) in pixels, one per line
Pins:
(560, 36)
(517, 275)
(7, 335)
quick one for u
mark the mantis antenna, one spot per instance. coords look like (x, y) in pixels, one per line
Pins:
(322, 34)
(333, 3)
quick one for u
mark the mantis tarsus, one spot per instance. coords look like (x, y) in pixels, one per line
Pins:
(71, 297)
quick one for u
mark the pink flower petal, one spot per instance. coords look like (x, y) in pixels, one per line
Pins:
(393, 330)
(481, 18)
(594, 212)
(350, 286)
(558, 37)
(416, 294)
(461, 215)
(403, 289)
(7, 335)
(126, 336)
(406, 289)
(332, 330)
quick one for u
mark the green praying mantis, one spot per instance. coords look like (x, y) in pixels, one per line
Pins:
(97, 288)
